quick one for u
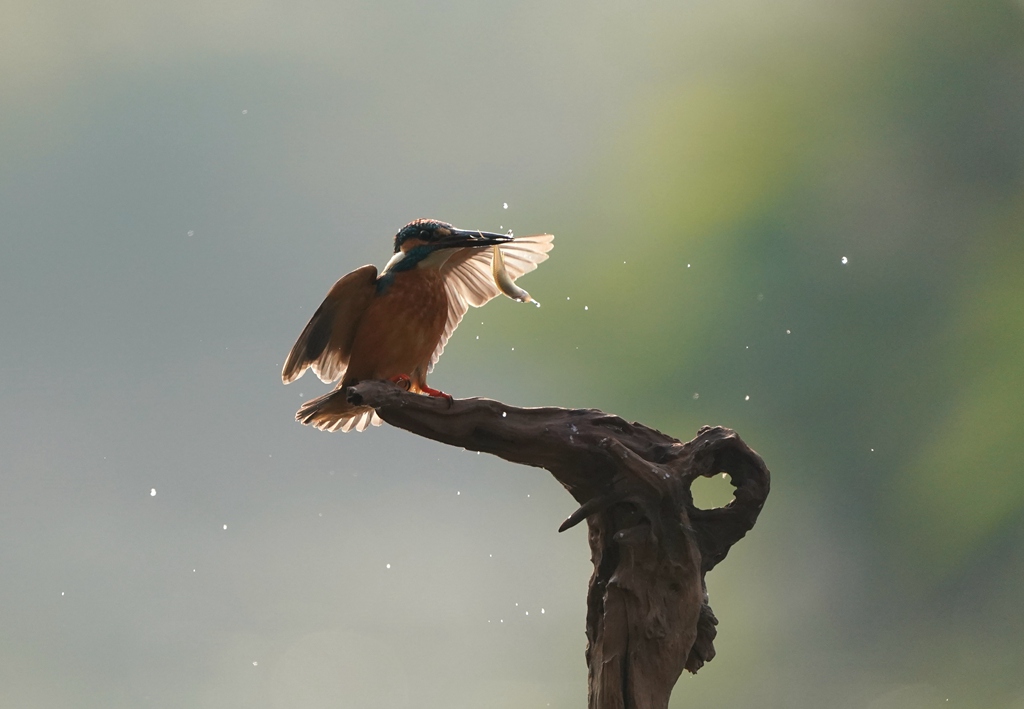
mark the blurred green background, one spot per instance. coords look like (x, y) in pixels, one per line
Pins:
(801, 220)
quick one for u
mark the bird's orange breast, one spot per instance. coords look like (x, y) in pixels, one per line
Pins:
(401, 327)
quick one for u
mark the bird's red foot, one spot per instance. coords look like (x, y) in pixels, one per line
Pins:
(438, 393)
(402, 380)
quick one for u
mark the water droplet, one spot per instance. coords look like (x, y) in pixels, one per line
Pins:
(845, 260)
(504, 205)
(152, 492)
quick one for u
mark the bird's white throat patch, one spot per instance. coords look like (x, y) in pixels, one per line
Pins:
(393, 262)
(435, 259)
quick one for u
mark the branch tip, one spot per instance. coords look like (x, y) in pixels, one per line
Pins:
(591, 506)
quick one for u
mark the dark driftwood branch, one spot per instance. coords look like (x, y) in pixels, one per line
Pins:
(648, 616)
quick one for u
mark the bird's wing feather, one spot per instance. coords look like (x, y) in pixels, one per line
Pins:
(326, 343)
(468, 279)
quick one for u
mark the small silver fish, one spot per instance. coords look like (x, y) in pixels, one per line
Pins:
(504, 281)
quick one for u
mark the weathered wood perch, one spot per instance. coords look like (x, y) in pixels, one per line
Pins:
(648, 616)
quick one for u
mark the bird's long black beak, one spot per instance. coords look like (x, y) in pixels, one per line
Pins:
(459, 238)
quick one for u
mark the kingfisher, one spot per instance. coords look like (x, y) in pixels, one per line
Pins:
(394, 325)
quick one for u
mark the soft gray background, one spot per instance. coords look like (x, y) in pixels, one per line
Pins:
(181, 182)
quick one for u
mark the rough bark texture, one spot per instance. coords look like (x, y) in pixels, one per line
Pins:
(648, 616)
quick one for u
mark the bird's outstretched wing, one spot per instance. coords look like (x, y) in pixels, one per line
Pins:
(326, 343)
(468, 279)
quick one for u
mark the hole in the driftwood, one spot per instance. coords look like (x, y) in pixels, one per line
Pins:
(709, 493)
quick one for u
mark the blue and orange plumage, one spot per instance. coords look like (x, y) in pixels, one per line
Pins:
(395, 325)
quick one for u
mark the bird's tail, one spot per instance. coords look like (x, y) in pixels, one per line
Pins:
(333, 411)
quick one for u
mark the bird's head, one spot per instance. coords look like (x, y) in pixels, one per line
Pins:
(426, 242)
(441, 235)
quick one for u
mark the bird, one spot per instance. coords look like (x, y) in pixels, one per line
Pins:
(394, 325)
